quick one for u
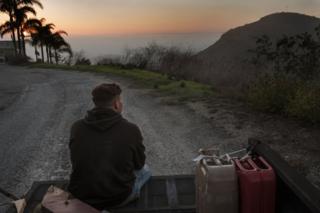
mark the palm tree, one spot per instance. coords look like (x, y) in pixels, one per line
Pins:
(30, 26)
(46, 37)
(40, 36)
(6, 6)
(17, 11)
(21, 9)
(5, 28)
(21, 18)
(59, 45)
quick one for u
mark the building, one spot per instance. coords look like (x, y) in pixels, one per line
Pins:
(6, 50)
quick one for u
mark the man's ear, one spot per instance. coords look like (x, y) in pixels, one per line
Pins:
(116, 103)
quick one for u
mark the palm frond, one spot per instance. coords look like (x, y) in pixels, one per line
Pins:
(5, 28)
(30, 2)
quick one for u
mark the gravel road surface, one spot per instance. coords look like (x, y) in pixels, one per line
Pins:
(37, 108)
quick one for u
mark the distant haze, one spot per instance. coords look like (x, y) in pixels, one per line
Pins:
(97, 46)
(114, 17)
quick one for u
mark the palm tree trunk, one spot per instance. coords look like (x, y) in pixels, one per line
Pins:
(47, 51)
(36, 52)
(19, 40)
(42, 53)
(13, 35)
(56, 56)
(23, 44)
(50, 55)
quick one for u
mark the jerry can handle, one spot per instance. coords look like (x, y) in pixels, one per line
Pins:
(264, 162)
(239, 165)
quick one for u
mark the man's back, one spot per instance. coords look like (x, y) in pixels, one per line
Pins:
(105, 150)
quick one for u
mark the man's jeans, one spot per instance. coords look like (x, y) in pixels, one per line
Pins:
(142, 176)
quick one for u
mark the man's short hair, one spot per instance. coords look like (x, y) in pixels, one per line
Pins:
(104, 94)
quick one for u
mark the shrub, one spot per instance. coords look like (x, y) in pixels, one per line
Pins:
(79, 58)
(297, 55)
(156, 86)
(293, 62)
(113, 61)
(305, 104)
(271, 93)
(83, 61)
(166, 60)
(182, 84)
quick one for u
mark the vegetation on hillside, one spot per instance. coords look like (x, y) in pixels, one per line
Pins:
(167, 60)
(288, 78)
(179, 90)
(21, 28)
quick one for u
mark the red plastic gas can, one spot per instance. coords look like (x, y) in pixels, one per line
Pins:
(257, 185)
(249, 182)
(268, 185)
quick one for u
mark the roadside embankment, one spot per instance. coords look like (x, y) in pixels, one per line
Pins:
(181, 90)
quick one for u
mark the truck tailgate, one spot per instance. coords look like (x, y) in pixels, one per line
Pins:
(161, 194)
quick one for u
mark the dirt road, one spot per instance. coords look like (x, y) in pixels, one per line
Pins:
(37, 108)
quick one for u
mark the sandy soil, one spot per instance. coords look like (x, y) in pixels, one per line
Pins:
(37, 108)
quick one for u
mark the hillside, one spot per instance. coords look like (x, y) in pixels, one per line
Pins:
(225, 63)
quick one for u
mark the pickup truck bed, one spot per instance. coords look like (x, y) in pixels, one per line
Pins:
(163, 194)
(177, 193)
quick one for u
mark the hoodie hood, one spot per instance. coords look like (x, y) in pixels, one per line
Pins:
(102, 119)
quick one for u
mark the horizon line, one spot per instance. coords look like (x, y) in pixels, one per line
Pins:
(145, 33)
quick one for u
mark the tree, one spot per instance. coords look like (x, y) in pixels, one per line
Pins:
(296, 56)
(21, 17)
(5, 28)
(21, 10)
(17, 11)
(40, 35)
(7, 6)
(30, 26)
(80, 59)
(59, 45)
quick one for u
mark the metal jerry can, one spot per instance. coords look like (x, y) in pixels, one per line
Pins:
(257, 182)
(216, 186)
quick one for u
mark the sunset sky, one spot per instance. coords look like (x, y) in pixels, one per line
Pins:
(112, 17)
(108, 27)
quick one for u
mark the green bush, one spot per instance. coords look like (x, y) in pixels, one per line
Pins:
(182, 84)
(271, 93)
(156, 86)
(284, 95)
(306, 103)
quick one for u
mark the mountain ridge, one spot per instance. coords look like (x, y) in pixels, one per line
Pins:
(225, 63)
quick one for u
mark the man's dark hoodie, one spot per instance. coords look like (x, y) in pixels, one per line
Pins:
(105, 150)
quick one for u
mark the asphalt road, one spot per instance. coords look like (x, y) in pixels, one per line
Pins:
(37, 108)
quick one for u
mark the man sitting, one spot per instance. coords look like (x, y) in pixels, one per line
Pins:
(107, 153)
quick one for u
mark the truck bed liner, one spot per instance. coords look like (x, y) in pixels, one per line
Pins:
(163, 194)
